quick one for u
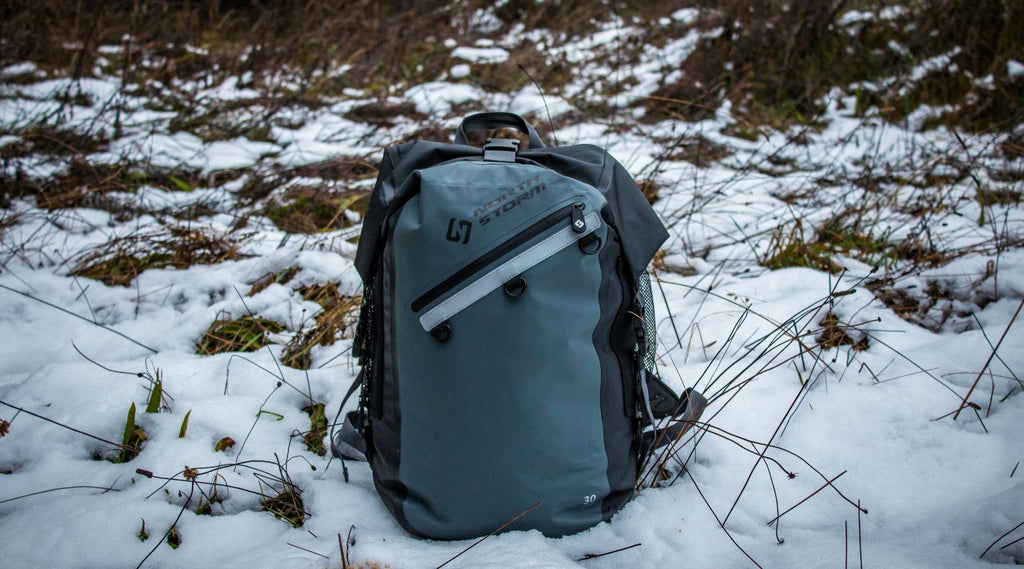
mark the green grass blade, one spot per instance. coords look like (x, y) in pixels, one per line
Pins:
(154, 397)
(129, 427)
(184, 425)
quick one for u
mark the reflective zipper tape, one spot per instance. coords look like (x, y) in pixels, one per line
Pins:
(505, 272)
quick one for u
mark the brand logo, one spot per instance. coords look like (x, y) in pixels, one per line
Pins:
(580, 225)
(461, 232)
(508, 197)
(508, 202)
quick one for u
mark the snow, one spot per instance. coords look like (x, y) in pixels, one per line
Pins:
(1014, 68)
(437, 97)
(22, 68)
(877, 422)
(686, 15)
(228, 90)
(480, 54)
(236, 153)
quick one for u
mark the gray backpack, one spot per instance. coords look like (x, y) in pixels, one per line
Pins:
(502, 338)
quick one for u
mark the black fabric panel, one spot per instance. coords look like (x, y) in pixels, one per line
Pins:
(385, 436)
(620, 432)
(366, 254)
(643, 232)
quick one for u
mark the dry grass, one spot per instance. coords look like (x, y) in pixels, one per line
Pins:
(384, 113)
(650, 189)
(851, 233)
(775, 61)
(697, 150)
(121, 260)
(279, 277)
(83, 183)
(347, 169)
(245, 334)
(380, 43)
(660, 265)
(314, 437)
(898, 300)
(314, 210)
(335, 321)
(936, 306)
(834, 334)
(790, 249)
(287, 506)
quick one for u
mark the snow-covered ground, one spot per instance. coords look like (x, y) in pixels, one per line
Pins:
(868, 422)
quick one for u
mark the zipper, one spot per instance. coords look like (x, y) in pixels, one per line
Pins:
(508, 272)
(575, 213)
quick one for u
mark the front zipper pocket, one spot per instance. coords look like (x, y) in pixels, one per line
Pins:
(579, 229)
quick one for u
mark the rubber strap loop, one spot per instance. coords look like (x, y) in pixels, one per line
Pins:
(491, 121)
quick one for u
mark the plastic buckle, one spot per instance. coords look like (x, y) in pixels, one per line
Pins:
(501, 149)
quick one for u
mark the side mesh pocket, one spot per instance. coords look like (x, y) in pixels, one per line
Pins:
(646, 298)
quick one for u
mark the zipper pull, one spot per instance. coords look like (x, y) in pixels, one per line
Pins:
(579, 225)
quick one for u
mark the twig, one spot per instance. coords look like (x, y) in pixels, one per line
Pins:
(811, 495)
(1000, 539)
(970, 172)
(104, 488)
(148, 474)
(505, 525)
(874, 338)
(66, 311)
(1019, 539)
(59, 424)
(341, 546)
(989, 360)
(860, 545)
(103, 367)
(551, 124)
(596, 555)
(244, 305)
(279, 376)
(258, 415)
(173, 525)
(723, 433)
(775, 494)
(668, 307)
(309, 550)
(984, 334)
(991, 394)
(761, 456)
(720, 524)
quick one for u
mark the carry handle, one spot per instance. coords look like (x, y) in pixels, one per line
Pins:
(490, 121)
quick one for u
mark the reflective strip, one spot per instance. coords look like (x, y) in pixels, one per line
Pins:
(505, 272)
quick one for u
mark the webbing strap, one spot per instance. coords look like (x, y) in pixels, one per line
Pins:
(691, 407)
(343, 444)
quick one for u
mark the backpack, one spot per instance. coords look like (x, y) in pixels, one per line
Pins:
(502, 338)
